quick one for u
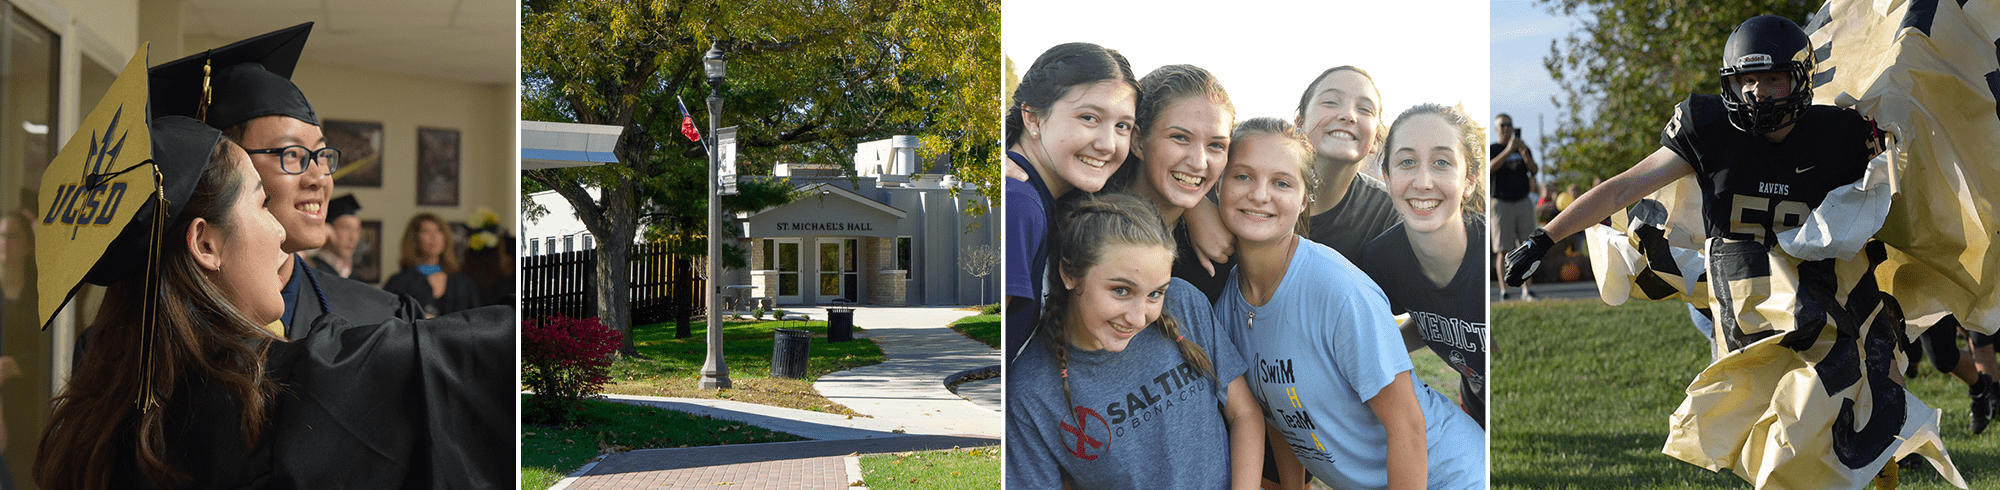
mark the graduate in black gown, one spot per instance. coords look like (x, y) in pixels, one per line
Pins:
(336, 258)
(253, 102)
(430, 270)
(180, 381)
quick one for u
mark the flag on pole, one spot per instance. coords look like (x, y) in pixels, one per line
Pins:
(687, 122)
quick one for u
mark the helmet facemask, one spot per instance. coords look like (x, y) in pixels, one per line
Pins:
(1766, 44)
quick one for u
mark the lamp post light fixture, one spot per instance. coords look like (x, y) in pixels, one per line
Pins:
(714, 372)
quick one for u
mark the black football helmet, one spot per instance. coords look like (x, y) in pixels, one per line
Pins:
(1767, 43)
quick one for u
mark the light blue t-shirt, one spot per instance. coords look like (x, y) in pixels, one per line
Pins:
(1143, 417)
(1318, 351)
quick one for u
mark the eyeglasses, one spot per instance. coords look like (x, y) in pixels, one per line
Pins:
(294, 159)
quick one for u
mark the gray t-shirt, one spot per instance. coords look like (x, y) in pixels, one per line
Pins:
(1322, 347)
(1148, 418)
(1364, 213)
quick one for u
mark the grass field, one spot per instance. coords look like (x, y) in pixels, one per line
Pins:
(1582, 392)
(952, 468)
(548, 452)
(983, 328)
(671, 367)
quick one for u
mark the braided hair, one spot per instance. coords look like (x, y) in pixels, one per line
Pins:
(1161, 89)
(1059, 70)
(1088, 225)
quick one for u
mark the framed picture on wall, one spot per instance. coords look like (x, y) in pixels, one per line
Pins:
(360, 145)
(437, 167)
(368, 253)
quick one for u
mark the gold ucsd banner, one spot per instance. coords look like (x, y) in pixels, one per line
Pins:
(81, 214)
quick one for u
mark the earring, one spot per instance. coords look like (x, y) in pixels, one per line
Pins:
(1036, 134)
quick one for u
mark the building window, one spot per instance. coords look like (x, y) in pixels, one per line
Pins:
(569, 243)
(534, 246)
(589, 242)
(770, 251)
(903, 253)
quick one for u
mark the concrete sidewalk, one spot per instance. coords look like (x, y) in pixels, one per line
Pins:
(909, 388)
(909, 409)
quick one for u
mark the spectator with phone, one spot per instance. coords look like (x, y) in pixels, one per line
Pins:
(1513, 177)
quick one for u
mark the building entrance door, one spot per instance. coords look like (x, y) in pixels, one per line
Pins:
(839, 270)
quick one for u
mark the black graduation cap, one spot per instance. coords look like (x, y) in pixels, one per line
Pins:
(244, 80)
(101, 194)
(341, 206)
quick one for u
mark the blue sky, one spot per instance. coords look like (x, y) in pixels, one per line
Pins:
(1521, 34)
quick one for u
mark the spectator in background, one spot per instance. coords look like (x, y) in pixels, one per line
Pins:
(489, 259)
(1513, 172)
(430, 270)
(337, 256)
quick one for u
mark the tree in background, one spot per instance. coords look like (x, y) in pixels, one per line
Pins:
(807, 81)
(1624, 70)
(979, 262)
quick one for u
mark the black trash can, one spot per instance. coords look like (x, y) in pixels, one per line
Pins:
(788, 352)
(839, 324)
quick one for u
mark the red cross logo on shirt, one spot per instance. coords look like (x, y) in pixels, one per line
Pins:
(1085, 443)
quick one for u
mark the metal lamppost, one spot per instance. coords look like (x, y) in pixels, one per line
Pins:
(714, 372)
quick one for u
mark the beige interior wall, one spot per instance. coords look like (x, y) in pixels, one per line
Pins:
(483, 114)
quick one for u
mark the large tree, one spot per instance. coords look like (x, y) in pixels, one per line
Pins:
(1624, 70)
(807, 81)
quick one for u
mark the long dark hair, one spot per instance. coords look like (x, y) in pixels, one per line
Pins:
(1164, 87)
(1088, 225)
(1058, 70)
(198, 337)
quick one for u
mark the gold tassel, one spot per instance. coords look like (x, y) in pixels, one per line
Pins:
(201, 111)
(146, 400)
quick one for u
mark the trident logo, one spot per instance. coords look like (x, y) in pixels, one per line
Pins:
(88, 202)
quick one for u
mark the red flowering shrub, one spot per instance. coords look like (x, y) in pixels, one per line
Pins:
(564, 360)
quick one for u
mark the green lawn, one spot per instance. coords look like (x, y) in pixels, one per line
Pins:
(671, 367)
(1582, 392)
(953, 468)
(983, 328)
(548, 453)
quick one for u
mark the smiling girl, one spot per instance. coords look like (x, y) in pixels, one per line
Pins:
(1430, 265)
(1069, 128)
(1183, 142)
(1328, 361)
(1339, 116)
(1109, 404)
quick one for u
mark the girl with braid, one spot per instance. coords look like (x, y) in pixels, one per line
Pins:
(1327, 362)
(1069, 127)
(1103, 402)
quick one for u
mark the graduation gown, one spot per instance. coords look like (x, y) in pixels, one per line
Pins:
(358, 302)
(459, 291)
(425, 404)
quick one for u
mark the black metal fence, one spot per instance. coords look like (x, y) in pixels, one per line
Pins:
(664, 285)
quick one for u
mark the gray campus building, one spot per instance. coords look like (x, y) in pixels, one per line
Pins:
(882, 232)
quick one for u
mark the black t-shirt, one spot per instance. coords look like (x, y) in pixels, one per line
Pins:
(1187, 265)
(1365, 213)
(1753, 188)
(1511, 179)
(1451, 319)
